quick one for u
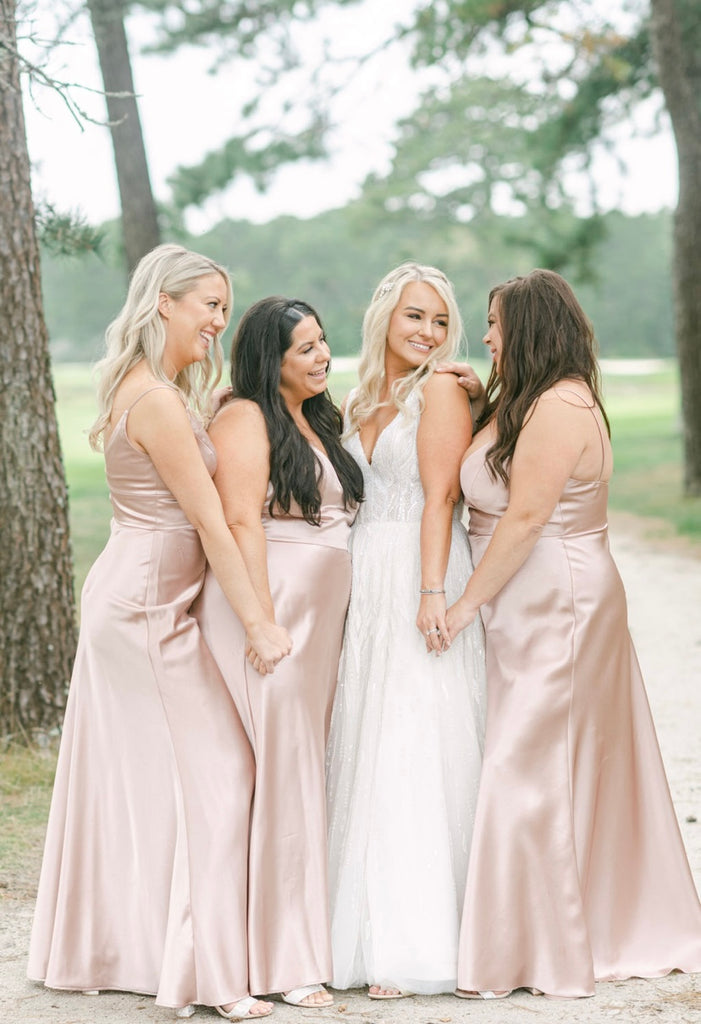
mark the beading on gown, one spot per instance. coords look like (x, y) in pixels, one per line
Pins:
(577, 872)
(405, 743)
(140, 886)
(285, 717)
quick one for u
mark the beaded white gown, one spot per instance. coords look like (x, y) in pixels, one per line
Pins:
(405, 745)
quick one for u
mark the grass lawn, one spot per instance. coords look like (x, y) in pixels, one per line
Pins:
(647, 443)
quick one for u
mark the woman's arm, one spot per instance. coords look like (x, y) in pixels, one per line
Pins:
(241, 441)
(160, 425)
(443, 435)
(469, 382)
(548, 450)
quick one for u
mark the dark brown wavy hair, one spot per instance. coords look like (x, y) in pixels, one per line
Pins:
(546, 338)
(262, 338)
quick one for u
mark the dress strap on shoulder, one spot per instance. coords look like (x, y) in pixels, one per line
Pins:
(592, 409)
(571, 391)
(156, 387)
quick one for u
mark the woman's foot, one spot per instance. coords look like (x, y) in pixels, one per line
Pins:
(464, 994)
(314, 996)
(387, 992)
(247, 1008)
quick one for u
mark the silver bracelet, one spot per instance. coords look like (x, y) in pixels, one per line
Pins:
(428, 591)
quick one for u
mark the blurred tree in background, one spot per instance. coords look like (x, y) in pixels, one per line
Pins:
(676, 35)
(140, 228)
(562, 75)
(36, 597)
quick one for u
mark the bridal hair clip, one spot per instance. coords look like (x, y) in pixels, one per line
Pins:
(386, 287)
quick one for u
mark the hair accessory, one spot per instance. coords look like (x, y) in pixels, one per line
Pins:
(386, 287)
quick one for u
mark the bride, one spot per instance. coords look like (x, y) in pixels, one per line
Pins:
(407, 725)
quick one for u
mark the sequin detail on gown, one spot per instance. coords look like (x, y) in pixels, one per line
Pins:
(577, 872)
(140, 884)
(405, 744)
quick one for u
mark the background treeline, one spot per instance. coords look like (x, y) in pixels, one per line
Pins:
(335, 259)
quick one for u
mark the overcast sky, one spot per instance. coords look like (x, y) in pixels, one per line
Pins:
(186, 112)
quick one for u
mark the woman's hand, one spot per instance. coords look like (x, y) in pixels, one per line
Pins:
(431, 623)
(460, 615)
(467, 379)
(266, 645)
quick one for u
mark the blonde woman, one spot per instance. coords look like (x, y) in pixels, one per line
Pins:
(146, 845)
(406, 731)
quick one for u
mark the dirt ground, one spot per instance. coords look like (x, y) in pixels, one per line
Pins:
(663, 581)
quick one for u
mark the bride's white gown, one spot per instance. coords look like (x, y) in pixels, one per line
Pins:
(405, 745)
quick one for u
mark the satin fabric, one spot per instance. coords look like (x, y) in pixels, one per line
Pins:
(578, 871)
(405, 745)
(285, 716)
(140, 886)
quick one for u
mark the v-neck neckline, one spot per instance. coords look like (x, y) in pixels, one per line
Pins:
(377, 440)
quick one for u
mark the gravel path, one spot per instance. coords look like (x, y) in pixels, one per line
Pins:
(663, 581)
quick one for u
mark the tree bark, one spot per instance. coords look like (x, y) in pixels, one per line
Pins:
(139, 215)
(676, 37)
(37, 627)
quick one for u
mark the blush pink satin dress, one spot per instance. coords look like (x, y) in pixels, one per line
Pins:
(286, 718)
(140, 885)
(577, 870)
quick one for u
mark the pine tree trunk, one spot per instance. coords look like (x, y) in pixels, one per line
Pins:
(676, 36)
(37, 628)
(139, 214)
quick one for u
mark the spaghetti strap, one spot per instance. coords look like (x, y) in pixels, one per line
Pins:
(156, 387)
(121, 423)
(591, 409)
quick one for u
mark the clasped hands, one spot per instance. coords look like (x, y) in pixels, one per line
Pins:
(266, 645)
(439, 626)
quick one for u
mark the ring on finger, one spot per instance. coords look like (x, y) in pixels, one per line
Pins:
(434, 630)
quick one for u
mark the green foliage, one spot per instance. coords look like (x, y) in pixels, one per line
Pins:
(81, 296)
(447, 28)
(66, 234)
(334, 261)
(452, 136)
(617, 74)
(630, 298)
(229, 28)
(532, 88)
(256, 153)
(239, 30)
(647, 445)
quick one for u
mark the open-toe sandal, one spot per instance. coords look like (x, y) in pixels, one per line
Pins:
(242, 1010)
(296, 996)
(397, 993)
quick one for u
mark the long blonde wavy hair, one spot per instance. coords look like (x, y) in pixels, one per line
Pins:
(138, 332)
(371, 369)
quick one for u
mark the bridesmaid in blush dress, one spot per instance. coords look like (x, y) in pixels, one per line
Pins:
(140, 887)
(290, 492)
(578, 872)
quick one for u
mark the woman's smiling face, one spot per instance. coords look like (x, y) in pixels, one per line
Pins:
(305, 365)
(418, 325)
(193, 322)
(492, 338)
